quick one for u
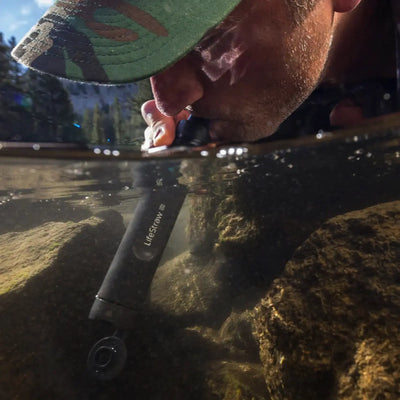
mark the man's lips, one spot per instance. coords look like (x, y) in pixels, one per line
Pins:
(214, 127)
(211, 131)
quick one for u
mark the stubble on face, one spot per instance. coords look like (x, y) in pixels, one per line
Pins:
(305, 45)
(299, 9)
(275, 56)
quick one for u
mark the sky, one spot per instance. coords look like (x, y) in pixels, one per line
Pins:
(18, 16)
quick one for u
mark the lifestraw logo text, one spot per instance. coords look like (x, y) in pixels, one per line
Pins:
(154, 227)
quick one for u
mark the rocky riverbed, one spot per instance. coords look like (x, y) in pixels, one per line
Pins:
(279, 286)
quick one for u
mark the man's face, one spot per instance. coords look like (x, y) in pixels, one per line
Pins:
(252, 71)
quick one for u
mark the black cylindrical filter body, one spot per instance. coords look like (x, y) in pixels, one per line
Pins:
(127, 282)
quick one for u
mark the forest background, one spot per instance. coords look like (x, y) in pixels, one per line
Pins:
(37, 107)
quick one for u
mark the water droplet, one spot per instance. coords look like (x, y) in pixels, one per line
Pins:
(222, 153)
(320, 134)
(387, 96)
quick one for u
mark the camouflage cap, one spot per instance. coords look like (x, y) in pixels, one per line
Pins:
(117, 41)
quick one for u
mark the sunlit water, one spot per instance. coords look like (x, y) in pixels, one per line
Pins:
(246, 211)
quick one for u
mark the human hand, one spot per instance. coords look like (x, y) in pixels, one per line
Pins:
(161, 128)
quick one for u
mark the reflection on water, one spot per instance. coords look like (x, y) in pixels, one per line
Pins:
(280, 278)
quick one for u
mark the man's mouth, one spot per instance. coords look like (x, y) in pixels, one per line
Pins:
(212, 132)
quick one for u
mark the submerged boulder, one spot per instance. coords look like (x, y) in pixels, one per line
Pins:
(190, 288)
(49, 276)
(329, 326)
(232, 369)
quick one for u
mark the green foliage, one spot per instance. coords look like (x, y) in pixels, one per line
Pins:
(87, 122)
(97, 131)
(119, 131)
(136, 124)
(143, 94)
(15, 70)
(121, 123)
(33, 106)
(5, 64)
(38, 107)
(52, 110)
(10, 70)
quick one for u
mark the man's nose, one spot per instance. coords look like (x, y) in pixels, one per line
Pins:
(177, 87)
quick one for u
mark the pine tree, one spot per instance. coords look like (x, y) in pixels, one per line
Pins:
(118, 122)
(51, 106)
(15, 117)
(5, 62)
(97, 136)
(15, 71)
(136, 122)
(87, 124)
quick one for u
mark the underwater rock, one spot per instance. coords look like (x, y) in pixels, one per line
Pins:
(189, 288)
(232, 368)
(235, 230)
(49, 276)
(329, 326)
(235, 380)
(201, 229)
(237, 331)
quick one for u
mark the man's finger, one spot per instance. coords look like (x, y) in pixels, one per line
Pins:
(151, 114)
(161, 131)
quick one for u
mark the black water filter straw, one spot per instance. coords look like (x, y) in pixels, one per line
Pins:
(126, 285)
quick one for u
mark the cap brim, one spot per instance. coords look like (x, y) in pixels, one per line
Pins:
(123, 41)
